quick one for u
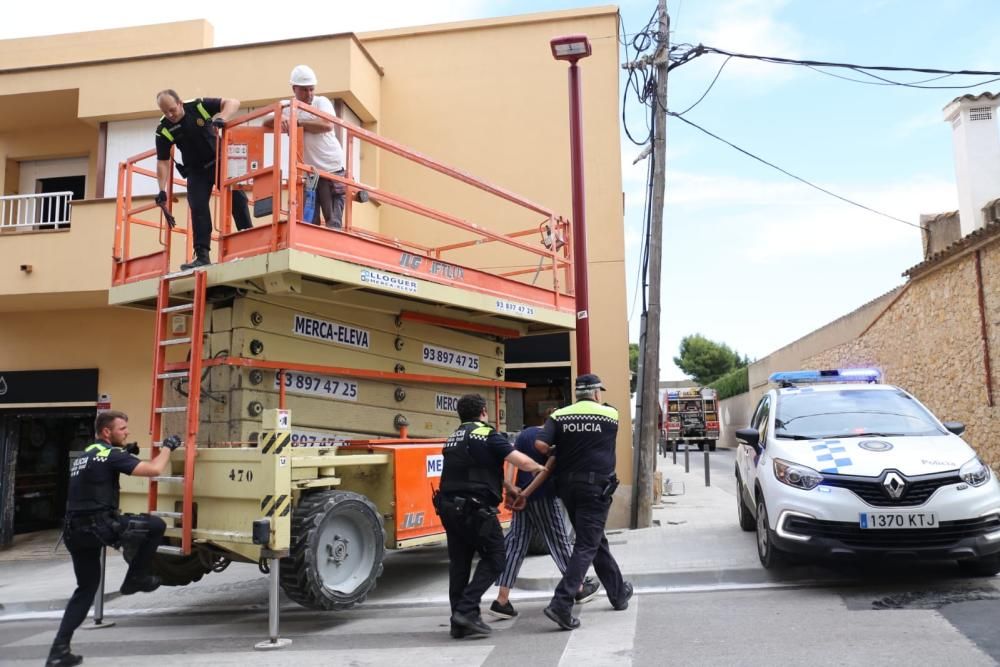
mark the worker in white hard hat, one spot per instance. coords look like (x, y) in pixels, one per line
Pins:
(322, 149)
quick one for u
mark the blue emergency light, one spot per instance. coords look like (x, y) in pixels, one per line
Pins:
(788, 378)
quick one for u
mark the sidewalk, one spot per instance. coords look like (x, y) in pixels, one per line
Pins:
(697, 543)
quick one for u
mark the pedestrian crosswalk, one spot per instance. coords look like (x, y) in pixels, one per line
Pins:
(401, 636)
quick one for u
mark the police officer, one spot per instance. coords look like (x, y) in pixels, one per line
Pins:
(582, 438)
(93, 521)
(191, 126)
(472, 482)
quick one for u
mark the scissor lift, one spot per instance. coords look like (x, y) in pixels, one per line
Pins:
(314, 371)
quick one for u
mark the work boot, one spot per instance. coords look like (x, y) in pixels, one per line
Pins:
(59, 656)
(505, 611)
(201, 259)
(563, 619)
(587, 591)
(622, 604)
(472, 625)
(146, 584)
(457, 631)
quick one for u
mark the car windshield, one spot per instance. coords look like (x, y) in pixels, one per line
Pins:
(851, 413)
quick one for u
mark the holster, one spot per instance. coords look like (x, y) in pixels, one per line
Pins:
(609, 487)
(104, 526)
(134, 535)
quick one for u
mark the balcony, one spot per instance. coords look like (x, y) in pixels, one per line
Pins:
(37, 212)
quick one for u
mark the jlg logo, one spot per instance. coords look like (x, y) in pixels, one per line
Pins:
(413, 519)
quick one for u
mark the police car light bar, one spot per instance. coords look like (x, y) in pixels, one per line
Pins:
(787, 378)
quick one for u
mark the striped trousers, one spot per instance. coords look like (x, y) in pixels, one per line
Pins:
(546, 516)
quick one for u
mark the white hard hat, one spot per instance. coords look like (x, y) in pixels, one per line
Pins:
(303, 75)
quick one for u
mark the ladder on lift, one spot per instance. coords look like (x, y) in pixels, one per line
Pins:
(164, 372)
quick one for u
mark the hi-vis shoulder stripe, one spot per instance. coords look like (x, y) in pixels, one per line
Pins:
(283, 505)
(276, 441)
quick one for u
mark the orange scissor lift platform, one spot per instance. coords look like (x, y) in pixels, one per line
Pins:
(313, 371)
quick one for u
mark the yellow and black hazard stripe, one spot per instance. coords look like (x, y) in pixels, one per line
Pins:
(280, 506)
(274, 443)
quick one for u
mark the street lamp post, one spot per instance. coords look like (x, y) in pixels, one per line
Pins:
(573, 48)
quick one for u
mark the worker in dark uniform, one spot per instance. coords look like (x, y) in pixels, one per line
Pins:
(192, 126)
(582, 438)
(93, 521)
(472, 482)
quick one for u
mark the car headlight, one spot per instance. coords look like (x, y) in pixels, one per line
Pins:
(795, 475)
(975, 472)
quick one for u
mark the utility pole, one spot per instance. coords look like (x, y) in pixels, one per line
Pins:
(648, 405)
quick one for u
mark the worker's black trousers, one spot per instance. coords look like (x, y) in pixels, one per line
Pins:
(588, 512)
(199, 195)
(85, 548)
(468, 534)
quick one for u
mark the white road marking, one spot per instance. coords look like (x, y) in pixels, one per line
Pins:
(605, 637)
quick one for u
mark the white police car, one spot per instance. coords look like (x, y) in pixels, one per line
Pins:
(835, 464)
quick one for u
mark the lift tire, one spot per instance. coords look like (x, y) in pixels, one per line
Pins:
(336, 550)
(179, 570)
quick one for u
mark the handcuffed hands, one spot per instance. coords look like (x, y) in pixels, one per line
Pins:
(161, 198)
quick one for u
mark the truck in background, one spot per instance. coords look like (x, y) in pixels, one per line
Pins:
(691, 416)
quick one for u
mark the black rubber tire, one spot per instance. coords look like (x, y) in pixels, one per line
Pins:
(769, 555)
(301, 576)
(179, 570)
(711, 445)
(701, 445)
(743, 513)
(987, 566)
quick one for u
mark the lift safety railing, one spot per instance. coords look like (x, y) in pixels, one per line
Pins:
(550, 253)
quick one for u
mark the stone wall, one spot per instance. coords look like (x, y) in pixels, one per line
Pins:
(929, 342)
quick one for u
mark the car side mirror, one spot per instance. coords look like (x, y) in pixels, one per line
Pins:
(749, 437)
(958, 428)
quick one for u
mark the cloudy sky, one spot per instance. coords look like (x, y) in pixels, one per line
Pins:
(751, 257)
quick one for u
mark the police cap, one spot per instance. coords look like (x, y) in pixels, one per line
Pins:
(589, 382)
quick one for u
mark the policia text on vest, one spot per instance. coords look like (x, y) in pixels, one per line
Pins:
(582, 439)
(94, 522)
(472, 483)
(192, 127)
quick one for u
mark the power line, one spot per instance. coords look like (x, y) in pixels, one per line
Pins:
(798, 178)
(709, 89)
(693, 52)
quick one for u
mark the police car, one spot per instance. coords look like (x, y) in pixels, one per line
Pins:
(836, 464)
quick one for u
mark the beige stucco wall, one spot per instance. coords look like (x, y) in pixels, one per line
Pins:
(117, 342)
(500, 112)
(103, 44)
(929, 343)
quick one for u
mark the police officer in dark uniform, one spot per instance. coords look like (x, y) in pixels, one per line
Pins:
(93, 521)
(191, 126)
(582, 438)
(472, 482)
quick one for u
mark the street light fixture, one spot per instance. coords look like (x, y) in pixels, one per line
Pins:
(573, 48)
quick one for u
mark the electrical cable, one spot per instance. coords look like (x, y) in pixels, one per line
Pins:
(798, 178)
(709, 89)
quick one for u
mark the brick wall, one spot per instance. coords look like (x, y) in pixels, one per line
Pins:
(929, 342)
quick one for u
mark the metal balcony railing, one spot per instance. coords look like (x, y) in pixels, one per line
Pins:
(20, 213)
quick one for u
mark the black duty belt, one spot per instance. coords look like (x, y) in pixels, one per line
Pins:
(587, 477)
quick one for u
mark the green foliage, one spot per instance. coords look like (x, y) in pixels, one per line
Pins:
(633, 365)
(733, 383)
(706, 360)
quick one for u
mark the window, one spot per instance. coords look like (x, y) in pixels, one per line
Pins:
(125, 139)
(345, 113)
(853, 412)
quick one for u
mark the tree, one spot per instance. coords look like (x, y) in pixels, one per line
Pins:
(706, 360)
(633, 365)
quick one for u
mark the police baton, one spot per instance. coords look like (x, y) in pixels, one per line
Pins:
(539, 479)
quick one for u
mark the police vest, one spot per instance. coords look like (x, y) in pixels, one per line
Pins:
(87, 494)
(163, 131)
(204, 135)
(464, 474)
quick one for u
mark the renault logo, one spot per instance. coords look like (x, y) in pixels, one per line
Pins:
(894, 485)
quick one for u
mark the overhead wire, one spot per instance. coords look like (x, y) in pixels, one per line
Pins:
(796, 177)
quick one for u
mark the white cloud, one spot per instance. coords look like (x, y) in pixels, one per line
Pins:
(753, 26)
